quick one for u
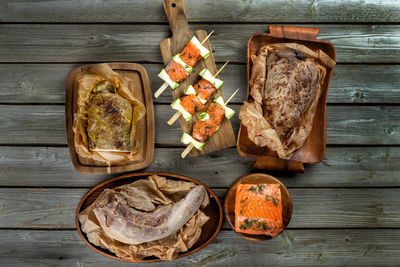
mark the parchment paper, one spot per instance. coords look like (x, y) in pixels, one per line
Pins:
(251, 113)
(160, 191)
(99, 73)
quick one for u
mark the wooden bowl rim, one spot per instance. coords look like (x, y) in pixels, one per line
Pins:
(285, 40)
(129, 175)
(233, 187)
(148, 99)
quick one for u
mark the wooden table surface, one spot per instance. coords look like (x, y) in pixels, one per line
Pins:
(346, 209)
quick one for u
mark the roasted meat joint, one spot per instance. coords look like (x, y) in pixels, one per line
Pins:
(106, 118)
(285, 87)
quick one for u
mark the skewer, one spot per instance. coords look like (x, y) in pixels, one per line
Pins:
(208, 36)
(191, 146)
(161, 90)
(174, 118)
(178, 113)
(226, 63)
(187, 150)
(230, 98)
(165, 85)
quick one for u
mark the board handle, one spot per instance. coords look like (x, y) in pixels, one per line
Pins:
(276, 164)
(176, 15)
(291, 32)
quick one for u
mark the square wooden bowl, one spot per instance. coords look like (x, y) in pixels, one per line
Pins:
(140, 86)
(314, 148)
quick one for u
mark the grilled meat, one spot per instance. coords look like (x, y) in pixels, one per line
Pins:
(109, 120)
(292, 81)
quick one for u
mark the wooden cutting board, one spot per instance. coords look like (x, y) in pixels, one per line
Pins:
(181, 34)
(139, 85)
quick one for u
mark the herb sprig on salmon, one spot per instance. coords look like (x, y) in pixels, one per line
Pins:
(258, 209)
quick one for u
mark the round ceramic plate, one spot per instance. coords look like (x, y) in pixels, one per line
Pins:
(209, 230)
(256, 178)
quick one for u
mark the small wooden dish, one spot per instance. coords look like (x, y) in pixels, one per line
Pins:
(140, 86)
(313, 149)
(256, 178)
(209, 230)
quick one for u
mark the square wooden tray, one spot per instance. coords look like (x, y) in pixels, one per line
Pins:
(140, 86)
(314, 148)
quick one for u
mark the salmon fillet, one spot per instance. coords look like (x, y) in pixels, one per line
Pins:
(258, 209)
(176, 72)
(203, 130)
(204, 89)
(192, 104)
(190, 54)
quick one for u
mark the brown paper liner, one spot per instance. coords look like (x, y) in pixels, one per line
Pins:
(161, 191)
(251, 113)
(86, 82)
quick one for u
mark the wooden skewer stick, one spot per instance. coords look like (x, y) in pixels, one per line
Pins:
(191, 146)
(174, 118)
(178, 113)
(161, 90)
(230, 98)
(187, 150)
(165, 85)
(208, 36)
(226, 63)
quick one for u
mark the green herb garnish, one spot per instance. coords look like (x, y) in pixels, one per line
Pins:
(275, 201)
(260, 188)
(252, 189)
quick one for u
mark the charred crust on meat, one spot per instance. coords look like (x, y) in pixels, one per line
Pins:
(300, 55)
(292, 79)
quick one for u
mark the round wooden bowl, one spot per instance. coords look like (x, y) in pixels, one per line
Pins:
(256, 178)
(209, 230)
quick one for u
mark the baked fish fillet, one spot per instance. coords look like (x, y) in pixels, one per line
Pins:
(129, 225)
(109, 120)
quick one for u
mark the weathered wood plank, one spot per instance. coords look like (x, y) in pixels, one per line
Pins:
(212, 11)
(375, 247)
(98, 43)
(342, 167)
(45, 83)
(32, 124)
(354, 208)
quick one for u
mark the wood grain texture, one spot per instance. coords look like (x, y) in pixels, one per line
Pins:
(366, 33)
(181, 34)
(45, 83)
(310, 247)
(342, 167)
(139, 86)
(208, 231)
(353, 208)
(349, 125)
(230, 204)
(139, 43)
(313, 149)
(211, 11)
